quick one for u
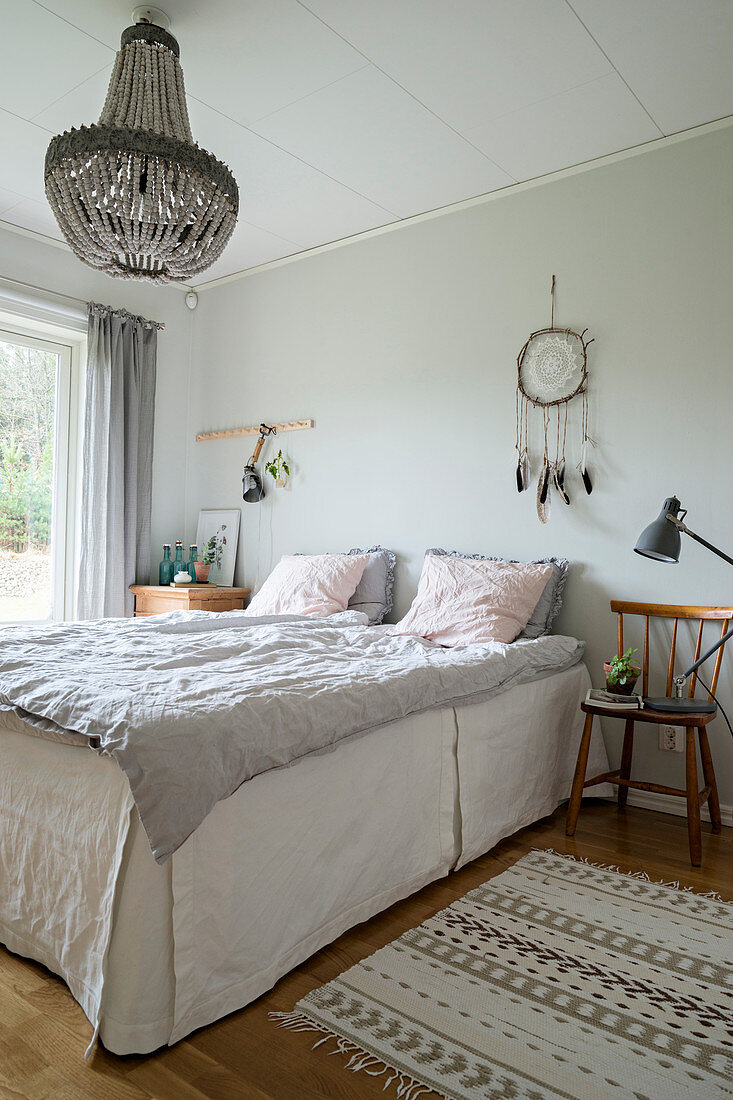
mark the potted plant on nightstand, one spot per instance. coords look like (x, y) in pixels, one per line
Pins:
(622, 673)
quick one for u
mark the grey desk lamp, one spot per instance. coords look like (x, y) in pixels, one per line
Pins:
(661, 541)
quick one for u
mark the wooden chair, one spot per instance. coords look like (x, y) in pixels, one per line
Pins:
(621, 777)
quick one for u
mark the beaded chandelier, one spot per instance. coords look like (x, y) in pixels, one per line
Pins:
(134, 195)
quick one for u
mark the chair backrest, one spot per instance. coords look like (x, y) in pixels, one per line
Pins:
(671, 611)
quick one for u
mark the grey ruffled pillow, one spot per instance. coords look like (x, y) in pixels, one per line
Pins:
(550, 601)
(373, 594)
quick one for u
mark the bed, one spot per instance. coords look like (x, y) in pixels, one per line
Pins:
(153, 948)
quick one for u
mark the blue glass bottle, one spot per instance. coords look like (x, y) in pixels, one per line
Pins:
(193, 553)
(178, 563)
(166, 568)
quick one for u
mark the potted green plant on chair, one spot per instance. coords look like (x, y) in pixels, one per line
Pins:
(622, 673)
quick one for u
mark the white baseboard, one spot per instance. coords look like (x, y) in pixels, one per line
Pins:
(671, 804)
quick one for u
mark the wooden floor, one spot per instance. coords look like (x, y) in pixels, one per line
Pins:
(43, 1032)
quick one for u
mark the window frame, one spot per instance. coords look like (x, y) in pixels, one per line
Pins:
(70, 347)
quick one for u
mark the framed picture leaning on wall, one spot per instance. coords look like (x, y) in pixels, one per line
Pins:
(217, 536)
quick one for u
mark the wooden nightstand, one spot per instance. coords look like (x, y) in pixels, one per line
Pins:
(151, 599)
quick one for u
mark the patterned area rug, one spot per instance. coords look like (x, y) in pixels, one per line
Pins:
(554, 979)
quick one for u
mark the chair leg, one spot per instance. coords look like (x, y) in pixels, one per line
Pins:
(693, 801)
(626, 754)
(709, 774)
(579, 778)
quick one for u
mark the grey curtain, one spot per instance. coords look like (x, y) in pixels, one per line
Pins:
(117, 461)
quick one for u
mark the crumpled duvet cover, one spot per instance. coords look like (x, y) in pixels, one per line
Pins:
(193, 704)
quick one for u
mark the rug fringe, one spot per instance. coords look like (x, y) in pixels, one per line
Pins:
(711, 895)
(408, 1088)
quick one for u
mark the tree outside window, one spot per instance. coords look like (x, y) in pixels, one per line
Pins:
(27, 427)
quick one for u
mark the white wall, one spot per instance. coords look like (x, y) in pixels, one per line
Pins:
(57, 270)
(403, 348)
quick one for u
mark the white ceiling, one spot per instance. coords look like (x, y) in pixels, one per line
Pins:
(338, 116)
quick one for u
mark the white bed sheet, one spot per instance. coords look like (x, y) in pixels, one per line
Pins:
(291, 860)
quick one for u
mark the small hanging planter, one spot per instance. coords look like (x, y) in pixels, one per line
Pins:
(279, 469)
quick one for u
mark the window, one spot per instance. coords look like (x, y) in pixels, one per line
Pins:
(38, 462)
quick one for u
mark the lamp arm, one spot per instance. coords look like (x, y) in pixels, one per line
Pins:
(698, 538)
(679, 680)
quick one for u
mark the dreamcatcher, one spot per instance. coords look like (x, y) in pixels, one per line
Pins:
(551, 371)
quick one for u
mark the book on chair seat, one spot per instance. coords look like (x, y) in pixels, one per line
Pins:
(613, 701)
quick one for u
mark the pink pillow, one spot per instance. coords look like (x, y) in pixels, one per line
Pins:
(302, 584)
(462, 600)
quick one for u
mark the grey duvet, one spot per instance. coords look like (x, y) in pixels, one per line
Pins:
(192, 704)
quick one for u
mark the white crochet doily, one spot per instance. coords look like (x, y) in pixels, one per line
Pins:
(552, 366)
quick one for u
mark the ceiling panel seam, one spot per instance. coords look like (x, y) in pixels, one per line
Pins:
(616, 70)
(282, 149)
(264, 229)
(292, 103)
(29, 121)
(546, 99)
(406, 91)
(74, 25)
(64, 94)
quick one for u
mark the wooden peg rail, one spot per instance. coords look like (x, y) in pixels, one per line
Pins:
(232, 433)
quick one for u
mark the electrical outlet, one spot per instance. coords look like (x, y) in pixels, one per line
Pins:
(671, 738)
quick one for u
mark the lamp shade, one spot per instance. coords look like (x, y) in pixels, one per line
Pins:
(661, 539)
(252, 488)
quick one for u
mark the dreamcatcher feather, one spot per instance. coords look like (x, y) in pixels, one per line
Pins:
(551, 371)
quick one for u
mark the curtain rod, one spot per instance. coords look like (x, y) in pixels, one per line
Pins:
(57, 293)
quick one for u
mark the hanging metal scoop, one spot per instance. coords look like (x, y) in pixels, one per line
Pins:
(252, 488)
